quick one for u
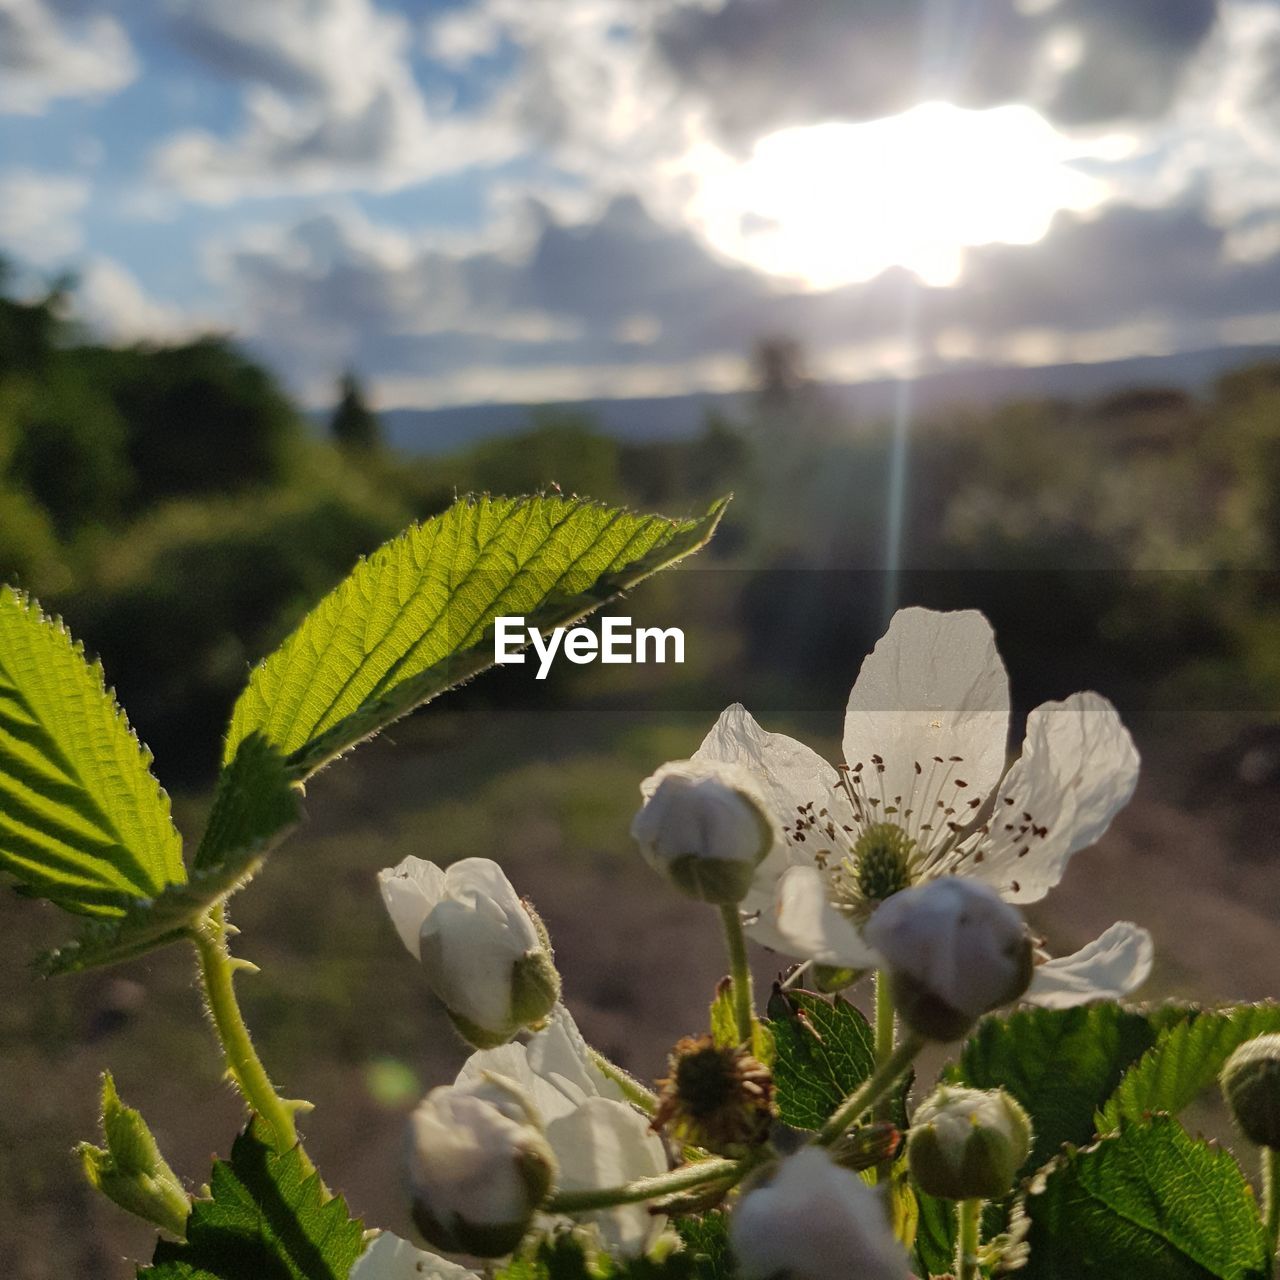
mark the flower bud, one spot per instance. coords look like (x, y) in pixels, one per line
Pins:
(1251, 1085)
(479, 1166)
(814, 1221)
(131, 1171)
(968, 1144)
(954, 951)
(485, 952)
(706, 827)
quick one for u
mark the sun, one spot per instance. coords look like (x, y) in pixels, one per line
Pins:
(837, 203)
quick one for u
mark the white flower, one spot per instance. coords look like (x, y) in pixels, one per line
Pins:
(924, 794)
(705, 826)
(815, 1221)
(485, 953)
(390, 1258)
(598, 1138)
(954, 950)
(479, 1166)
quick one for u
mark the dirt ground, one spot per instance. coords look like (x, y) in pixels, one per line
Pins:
(344, 1018)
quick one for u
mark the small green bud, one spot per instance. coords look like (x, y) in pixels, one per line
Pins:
(968, 1144)
(130, 1170)
(1251, 1085)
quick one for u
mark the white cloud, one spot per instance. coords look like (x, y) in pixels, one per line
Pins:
(112, 301)
(40, 215)
(45, 56)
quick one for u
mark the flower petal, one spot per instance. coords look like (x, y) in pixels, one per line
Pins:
(934, 688)
(1078, 769)
(390, 1258)
(790, 775)
(811, 928)
(409, 891)
(604, 1144)
(1111, 966)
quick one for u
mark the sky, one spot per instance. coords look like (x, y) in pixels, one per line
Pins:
(468, 201)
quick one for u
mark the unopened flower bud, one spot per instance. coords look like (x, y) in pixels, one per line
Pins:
(479, 1166)
(954, 951)
(706, 827)
(968, 1144)
(130, 1170)
(814, 1221)
(1251, 1085)
(485, 952)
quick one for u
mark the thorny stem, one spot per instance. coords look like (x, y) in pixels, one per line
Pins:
(217, 973)
(682, 1179)
(1271, 1196)
(743, 1001)
(632, 1089)
(871, 1091)
(968, 1217)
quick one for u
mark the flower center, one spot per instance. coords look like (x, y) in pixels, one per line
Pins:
(881, 863)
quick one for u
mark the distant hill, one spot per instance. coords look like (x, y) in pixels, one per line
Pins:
(679, 417)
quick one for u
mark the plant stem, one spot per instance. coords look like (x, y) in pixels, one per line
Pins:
(871, 1091)
(682, 1179)
(743, 1001)
(217, 973)
(632, 1089)
(968, 1218)
(885, 1032)
(1271, 1196)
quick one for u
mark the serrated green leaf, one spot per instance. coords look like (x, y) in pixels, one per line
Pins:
(417, 617)
(266, 1219)
(1061, 1064)
(935, 1245)
(706, 1242)
(823, 1050)
(83, 821)
(1184, 1061)
(1147, 1203)
(254, 807)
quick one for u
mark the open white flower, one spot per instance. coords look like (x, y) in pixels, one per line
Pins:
(812, 1222)
(599, 1139)
(391, 1258)
(485, 953)
(924, 793)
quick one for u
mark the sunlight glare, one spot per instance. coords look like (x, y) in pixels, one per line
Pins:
(837, 203)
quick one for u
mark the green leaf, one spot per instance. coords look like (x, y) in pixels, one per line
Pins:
(1147, 1203)
(254, 807)
(824, 1049)
(1185, 1060)
(266, 1219)
(935, 1248)
(83, 821)
(706, 1242)
(563, 1257)
(1061, 1064)
(417, 617)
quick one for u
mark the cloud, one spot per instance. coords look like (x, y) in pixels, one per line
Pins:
(40, 215)
(330, 103)
(46, 55)
(557, 318)
(1078, 61)
(113, 303)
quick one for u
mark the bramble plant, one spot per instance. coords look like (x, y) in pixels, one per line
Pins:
(786, 1141)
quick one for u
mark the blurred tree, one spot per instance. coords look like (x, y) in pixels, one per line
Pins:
(354, 426)
(30, 331)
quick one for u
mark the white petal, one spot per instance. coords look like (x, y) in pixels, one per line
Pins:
(390, 1258)
(790, 775)
(811, 928)
(560, 1055)
(409, 891)
(1111, 966)
(604, 1144)
(1077, 771)
(934, 686)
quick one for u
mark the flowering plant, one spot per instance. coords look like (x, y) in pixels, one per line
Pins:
(793, 1137)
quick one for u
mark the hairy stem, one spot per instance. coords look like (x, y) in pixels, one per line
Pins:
(743, 1000)
(631, 1088)
(872, 1090)
(217, 973)
(968, 1218)
(1271, 1196)
(885, 1033)
(682, 1179)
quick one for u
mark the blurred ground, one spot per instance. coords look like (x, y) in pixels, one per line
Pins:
(343, 1016)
